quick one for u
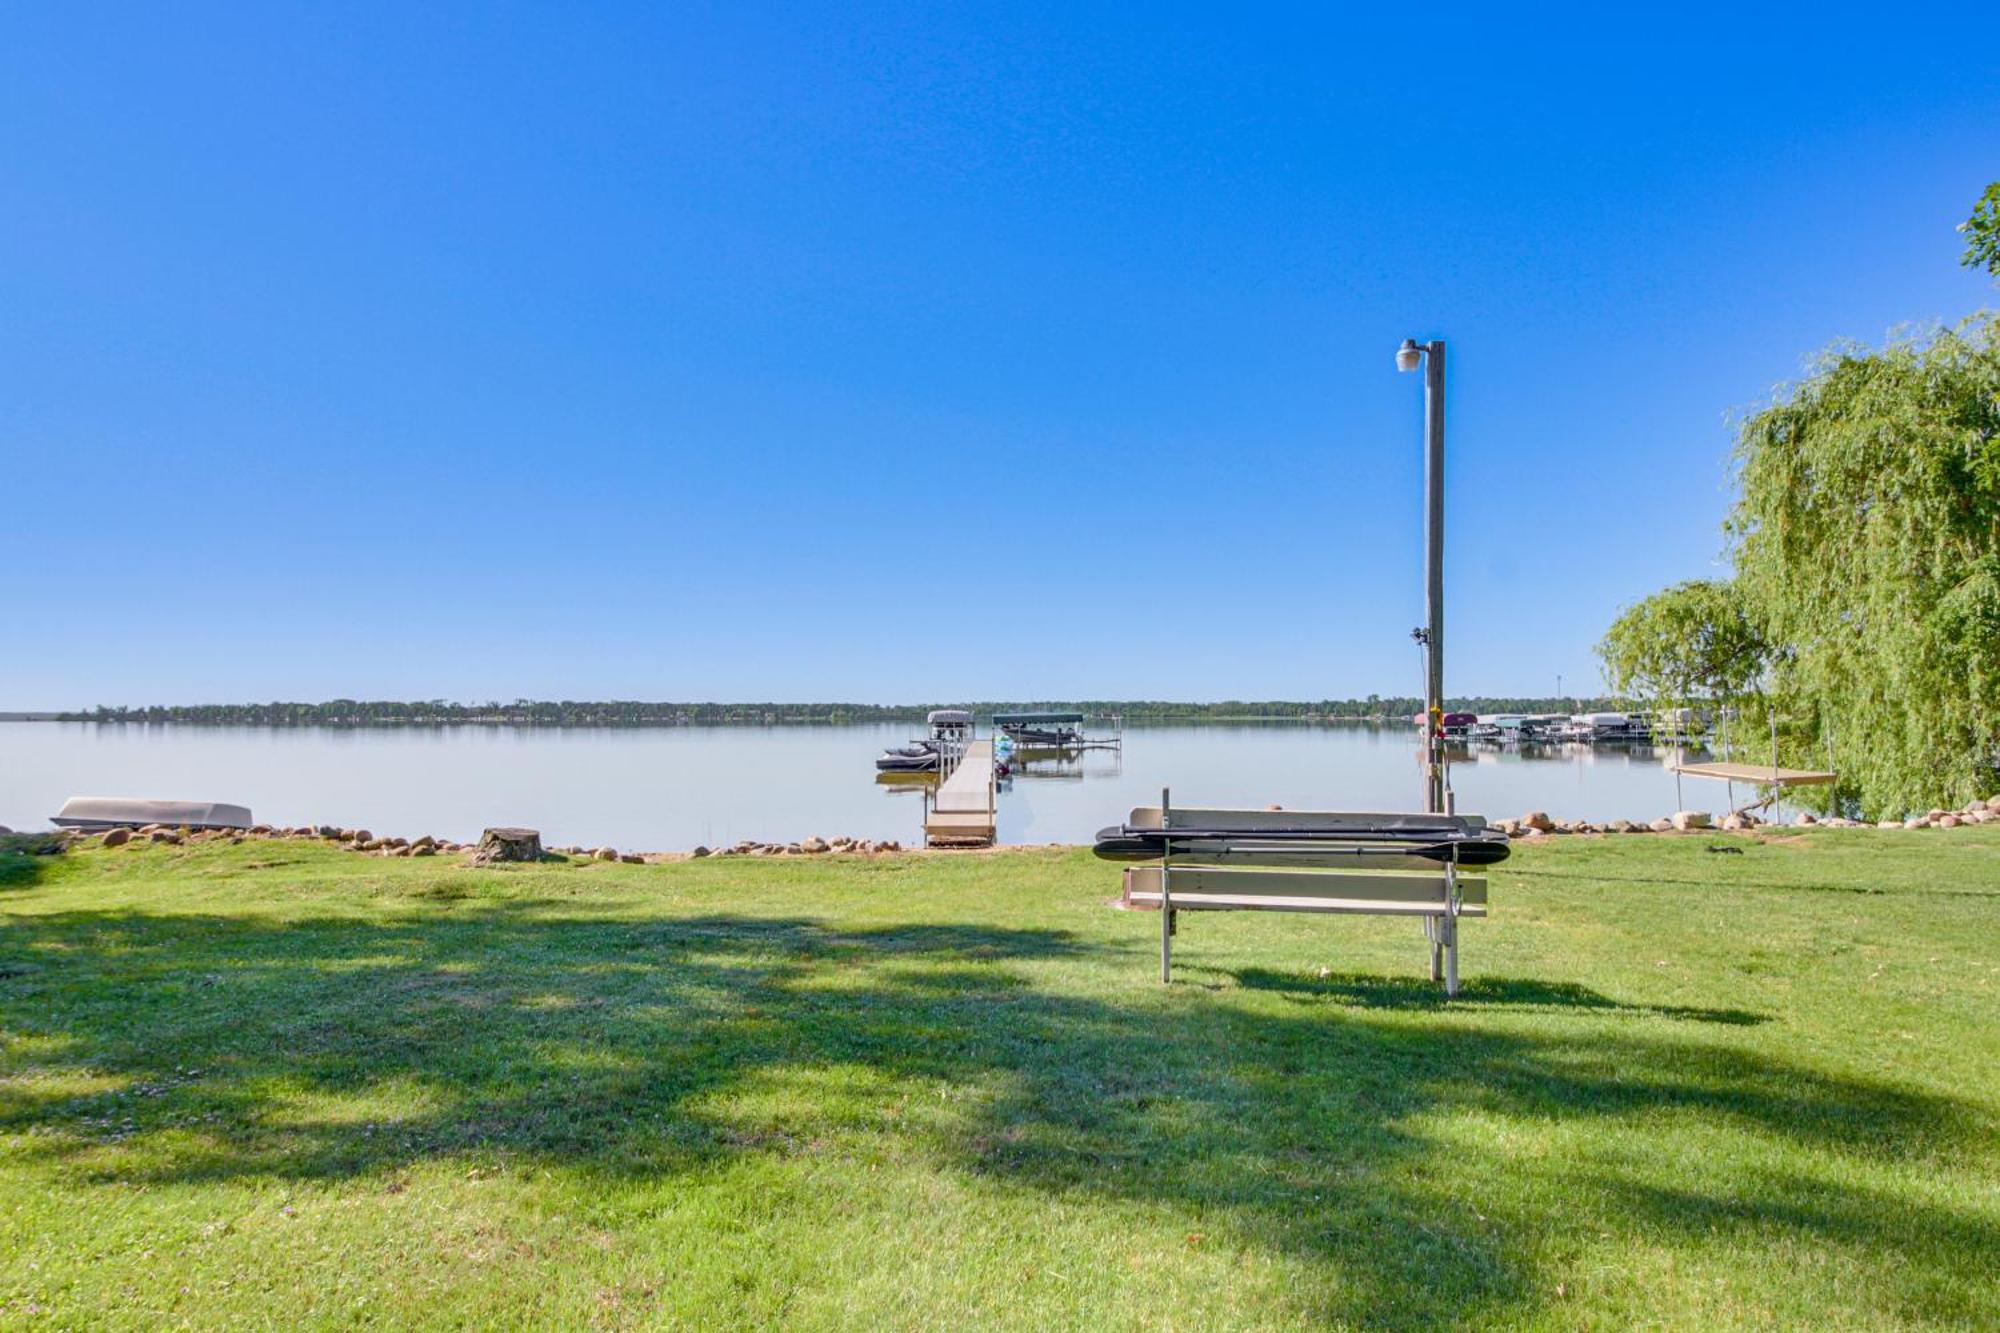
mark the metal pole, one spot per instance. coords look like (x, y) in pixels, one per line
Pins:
(1434, 569)
(1450, 923)
(1166, 890)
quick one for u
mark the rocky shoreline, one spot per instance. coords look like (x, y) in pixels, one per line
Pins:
(1537, 824)
(1534, 824)
(363, 841)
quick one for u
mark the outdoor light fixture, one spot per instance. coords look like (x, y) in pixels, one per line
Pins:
(1408, 357)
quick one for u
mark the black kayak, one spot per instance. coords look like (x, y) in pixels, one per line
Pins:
(1121, 842)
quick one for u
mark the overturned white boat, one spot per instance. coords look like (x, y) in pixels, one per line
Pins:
(92, 813)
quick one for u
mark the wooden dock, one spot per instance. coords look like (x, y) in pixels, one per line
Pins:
(962, 812)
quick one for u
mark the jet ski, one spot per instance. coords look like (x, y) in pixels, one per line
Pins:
(916, 757)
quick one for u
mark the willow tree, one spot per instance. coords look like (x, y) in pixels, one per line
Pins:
(1685, 646)
(1982, 233)
(1866, 541)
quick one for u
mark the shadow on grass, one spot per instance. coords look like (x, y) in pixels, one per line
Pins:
(24, 861)
(632, 1051)
(1374, 991)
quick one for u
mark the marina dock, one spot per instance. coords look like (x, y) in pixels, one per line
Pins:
(962, 812)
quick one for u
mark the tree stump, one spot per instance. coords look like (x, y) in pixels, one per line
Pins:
(508, 844)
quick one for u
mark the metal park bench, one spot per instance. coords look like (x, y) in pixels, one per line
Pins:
(1207, 860)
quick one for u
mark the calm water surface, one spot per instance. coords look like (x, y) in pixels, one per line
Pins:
(672, 787)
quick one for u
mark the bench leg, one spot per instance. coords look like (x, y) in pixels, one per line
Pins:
(1166, 943)
(1450, 925)
(1437, 948)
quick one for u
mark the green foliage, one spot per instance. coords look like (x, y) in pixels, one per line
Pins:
(1689, 644)
(1867, 545)
(1982, 232)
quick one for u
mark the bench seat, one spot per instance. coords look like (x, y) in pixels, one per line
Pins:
(1265, 902)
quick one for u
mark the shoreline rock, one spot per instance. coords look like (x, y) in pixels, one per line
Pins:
(1535, 824)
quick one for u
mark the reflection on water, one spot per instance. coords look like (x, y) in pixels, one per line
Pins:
(672, 787)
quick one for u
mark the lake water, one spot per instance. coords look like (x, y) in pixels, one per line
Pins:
(669, 788)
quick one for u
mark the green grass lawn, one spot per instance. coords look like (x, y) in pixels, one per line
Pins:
(284, 1085)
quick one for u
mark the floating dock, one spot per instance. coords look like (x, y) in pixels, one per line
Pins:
(962, 812)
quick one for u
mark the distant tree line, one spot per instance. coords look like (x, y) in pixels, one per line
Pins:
(633, 713)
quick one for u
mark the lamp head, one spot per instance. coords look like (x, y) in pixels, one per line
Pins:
(1409, 356)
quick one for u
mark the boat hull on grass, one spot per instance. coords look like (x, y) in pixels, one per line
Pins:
(95, 813)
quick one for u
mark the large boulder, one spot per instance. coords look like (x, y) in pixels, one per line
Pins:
(1687, 821)
(507, 844)
(117, 837)
(1539, 821)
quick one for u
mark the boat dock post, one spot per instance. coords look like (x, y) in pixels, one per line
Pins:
(962, 812)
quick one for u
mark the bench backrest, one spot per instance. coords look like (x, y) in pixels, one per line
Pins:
(1356, 886)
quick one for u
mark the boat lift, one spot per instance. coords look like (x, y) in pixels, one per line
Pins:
(1052, 731)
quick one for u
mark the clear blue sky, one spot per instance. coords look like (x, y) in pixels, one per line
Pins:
(652, 351)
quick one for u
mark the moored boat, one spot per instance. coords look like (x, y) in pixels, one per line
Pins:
(1041, 731)
(916, 757)
(949, 728)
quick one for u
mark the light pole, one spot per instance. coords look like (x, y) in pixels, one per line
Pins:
(1431, 356)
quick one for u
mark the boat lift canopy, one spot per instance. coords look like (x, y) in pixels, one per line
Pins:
(1033, 719)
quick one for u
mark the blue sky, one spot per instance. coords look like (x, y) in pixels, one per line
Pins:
(733, 351)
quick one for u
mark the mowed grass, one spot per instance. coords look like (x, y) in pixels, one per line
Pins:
(281, 1085)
